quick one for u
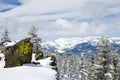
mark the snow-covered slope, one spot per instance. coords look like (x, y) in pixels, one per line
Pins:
(28, 71)
(69, 44)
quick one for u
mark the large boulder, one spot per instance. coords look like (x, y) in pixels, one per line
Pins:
(18, 54)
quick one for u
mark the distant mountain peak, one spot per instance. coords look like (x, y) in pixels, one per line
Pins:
(76, 45)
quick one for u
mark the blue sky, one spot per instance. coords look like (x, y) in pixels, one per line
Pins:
(60, 18)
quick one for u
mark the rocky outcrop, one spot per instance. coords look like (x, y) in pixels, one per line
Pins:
(2, 47)
(53, 63)
(39, 55)
(18, 54)
(53, 59)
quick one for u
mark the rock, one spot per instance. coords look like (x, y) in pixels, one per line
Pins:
(54, 63)
(53, 59)
(36, 63)
(39, 55)
(18, 54)
(2, 47)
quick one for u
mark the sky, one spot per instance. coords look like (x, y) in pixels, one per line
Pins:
(60, 18)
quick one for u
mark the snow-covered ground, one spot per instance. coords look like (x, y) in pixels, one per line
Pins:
(27, 71)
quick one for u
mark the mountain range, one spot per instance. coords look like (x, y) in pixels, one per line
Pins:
(79, 45)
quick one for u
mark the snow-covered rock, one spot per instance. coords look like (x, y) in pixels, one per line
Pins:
(10, 43)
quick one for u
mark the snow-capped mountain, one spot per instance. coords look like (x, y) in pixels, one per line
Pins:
(78, 45)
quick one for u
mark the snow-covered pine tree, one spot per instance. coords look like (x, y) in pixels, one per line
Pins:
(74, 67)
(59, 66)
(116, 73)
(91, 72)
(5, 36)
(33, 31)
(35, 40)
(65, 65)
(77, 67)
(83, 67)
(70, 67)
(118, 66)
(90, 65)
(104, 67)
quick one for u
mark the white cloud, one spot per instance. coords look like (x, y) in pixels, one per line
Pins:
(63, 24)
(99, 29)
(34, 7)
(31, 9)
(63, 17)
(109, 1)
(76, 28)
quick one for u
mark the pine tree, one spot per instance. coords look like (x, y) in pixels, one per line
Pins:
(91, 67)
(65, 64)
(36, 41)
(73, 67)
(33, 31)
(70, 67)
(104, 69)
(115, 65)
(83, 68)
(5, 37)
(77, 67)
(59, 66)
(118, 66)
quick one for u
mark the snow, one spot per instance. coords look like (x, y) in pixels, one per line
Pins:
(67, 43)
(109, 75)
(62, 44)
(97, 66)
(45, 62)
(28, 71)
(60, 51)
(33, 57)
(10, 43)
(2, 62)
(65, 78)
